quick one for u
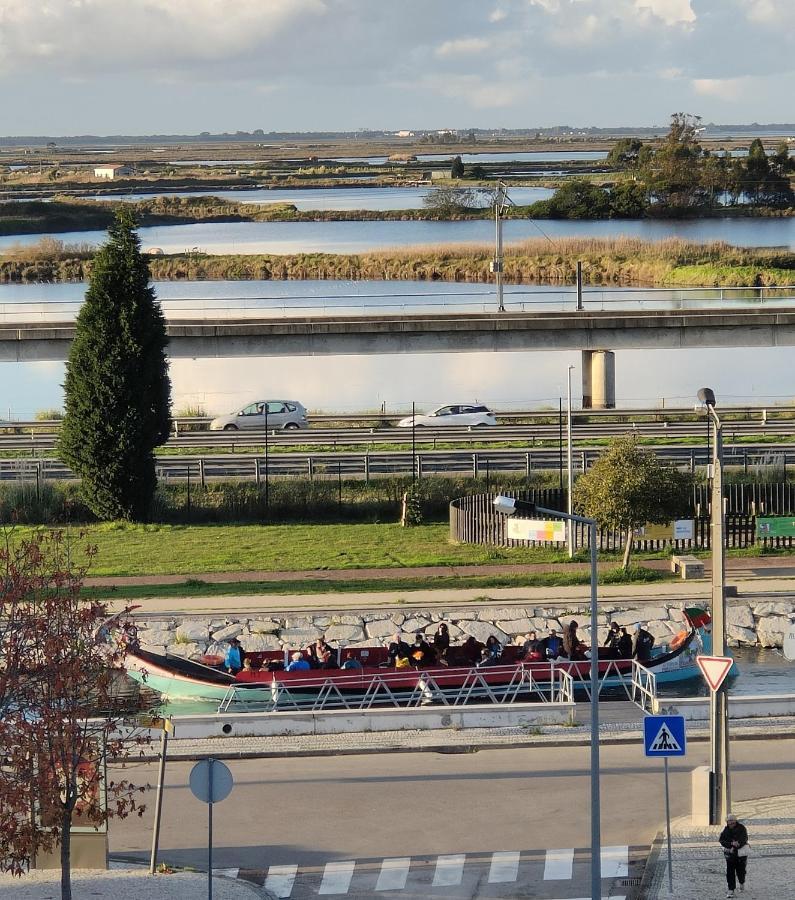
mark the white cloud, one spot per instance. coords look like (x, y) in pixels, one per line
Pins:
(462, 47)
(721, 88)
(672, 12)
(497, 15)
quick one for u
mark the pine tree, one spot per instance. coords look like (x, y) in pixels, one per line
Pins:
(457, 168)
(117, 389)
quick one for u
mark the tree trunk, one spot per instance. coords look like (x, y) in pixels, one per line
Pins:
(627, 550)
(66, 854)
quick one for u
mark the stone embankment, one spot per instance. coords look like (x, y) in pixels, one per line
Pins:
(756, 623)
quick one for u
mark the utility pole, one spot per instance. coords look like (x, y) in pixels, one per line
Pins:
(500, 202)
(570, 469)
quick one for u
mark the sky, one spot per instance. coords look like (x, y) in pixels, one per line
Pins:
(186, 66)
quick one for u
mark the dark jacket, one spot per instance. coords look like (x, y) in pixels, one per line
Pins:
(739, 833)
(398, 648)
(625, 646)
(550, 647)
(642, 645)
(612, 640)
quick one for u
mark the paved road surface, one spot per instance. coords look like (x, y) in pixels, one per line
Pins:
(304, 814)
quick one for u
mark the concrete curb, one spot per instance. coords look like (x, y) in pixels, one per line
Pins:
(650, 868)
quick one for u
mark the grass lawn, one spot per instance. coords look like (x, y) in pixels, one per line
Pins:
(186, 550)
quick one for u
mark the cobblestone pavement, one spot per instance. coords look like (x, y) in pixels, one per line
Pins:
(698, 864)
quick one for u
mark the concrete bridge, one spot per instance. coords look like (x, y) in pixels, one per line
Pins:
(594, 332)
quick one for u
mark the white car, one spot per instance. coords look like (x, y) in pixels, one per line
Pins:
(287, 414)
(460, 415)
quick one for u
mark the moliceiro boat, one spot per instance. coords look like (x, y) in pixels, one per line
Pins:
(373, 678)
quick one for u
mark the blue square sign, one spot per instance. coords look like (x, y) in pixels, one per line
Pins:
(664, 736)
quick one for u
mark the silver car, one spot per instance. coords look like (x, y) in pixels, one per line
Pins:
(287, 414)
(462, 415)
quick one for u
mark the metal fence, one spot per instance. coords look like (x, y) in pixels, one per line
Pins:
(474, 520)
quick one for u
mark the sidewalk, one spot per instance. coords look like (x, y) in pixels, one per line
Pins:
(123, 884)
(698, 864)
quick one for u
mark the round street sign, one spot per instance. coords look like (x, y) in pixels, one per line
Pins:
(222, 781)
(789, 643)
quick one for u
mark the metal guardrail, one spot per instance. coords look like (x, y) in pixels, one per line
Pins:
(644, 688)
(400, 690)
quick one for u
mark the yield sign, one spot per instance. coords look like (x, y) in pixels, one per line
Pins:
(714, 669)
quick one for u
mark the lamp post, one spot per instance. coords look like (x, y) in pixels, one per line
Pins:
(501, 200)
(570, 468)
(508, 506)
(720, 786)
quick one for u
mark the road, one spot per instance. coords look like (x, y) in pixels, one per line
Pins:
(308, 816)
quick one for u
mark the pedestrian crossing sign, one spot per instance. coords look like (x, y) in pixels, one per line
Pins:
(664, 736)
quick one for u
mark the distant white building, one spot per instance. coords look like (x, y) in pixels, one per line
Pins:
(404, 134)
(111, 172)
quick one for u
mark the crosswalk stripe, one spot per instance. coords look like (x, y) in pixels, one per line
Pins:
(337, 877)
(227, 873)
(504, 866)
(615, 862)
(449, 870)
(280, 880)
(393, 874)
(558, 865)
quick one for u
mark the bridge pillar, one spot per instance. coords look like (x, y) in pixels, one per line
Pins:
(598, 379)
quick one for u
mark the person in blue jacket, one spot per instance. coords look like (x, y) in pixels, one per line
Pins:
(233, 661)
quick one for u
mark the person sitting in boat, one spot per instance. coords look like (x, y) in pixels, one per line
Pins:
(298, 663)
(247, 673)
(531, 648)
(573, 647)
(624, 644)
(321, 655)
(421, 651)
(233, 661)
(642, 643)
(552, 645)
(350, 661)
(492, 652)
(471, 651)
(612, 640)
(441, 643)
(399, 649)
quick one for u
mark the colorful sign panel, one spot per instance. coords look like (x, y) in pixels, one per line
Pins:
(775, 526)
(680, 530)
(536, 530)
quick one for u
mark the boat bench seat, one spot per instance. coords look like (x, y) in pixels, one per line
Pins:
(687, 566)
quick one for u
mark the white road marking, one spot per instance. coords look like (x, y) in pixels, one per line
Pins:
(337, 877)
(280, 880)
(615, 862)
(393, 874)
(558, 865)
(504, 866)
(449, 870)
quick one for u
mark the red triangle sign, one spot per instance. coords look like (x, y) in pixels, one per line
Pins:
(714, 669)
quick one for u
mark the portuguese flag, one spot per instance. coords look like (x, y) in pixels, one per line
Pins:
(697, 617)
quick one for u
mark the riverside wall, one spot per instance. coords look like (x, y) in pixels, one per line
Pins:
(755, 623)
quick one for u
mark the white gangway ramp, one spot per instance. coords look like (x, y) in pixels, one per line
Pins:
(615, 862)
(558, 865)
(504, 866)
(280, 880)
(393, 874)
(337, 877)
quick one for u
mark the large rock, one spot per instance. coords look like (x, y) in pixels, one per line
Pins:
(189, 650)
(643, 614)
(740, 616)
(741, 635)
(299, 623)
(416, 623)
(193, 630)
(662, 630)
(345, 633)
(228, 632)
(771, 630)
(516, 626)
(263, 626)
(398, 618)
(299, 637)
(381, 628)
(493, 613)
(773, 608)
(256, 643)
(155, 636)
(347, 620)
(482, 630)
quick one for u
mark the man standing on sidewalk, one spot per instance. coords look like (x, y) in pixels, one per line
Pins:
(734, 840)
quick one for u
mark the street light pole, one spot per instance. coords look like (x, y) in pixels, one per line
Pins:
(720, 785)
(570, 465)
(509, 506)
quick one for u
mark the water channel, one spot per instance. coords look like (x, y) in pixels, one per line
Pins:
(362, 237)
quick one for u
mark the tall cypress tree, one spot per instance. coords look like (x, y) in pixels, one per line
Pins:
(117, 389)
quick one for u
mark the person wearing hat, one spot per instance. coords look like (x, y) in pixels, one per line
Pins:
(734, 840)
(642, 644)
(233, 661)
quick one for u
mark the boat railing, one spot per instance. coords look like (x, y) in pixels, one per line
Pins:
(404, 690)
(614, 674)
(644, 687)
